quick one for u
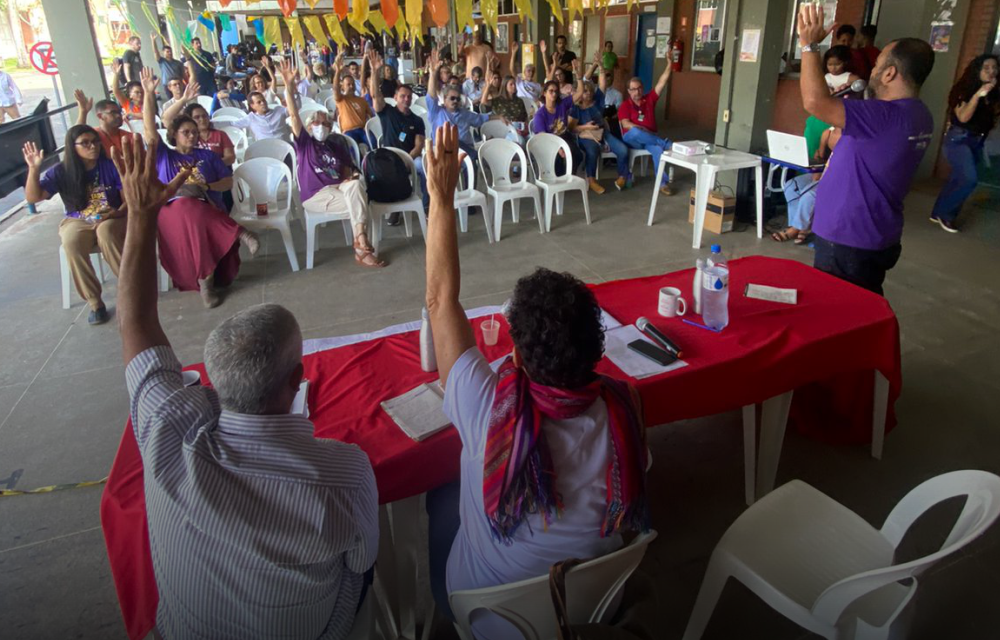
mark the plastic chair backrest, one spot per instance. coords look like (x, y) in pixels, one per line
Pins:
(373, 131)
(229, 111)
(205, 101)
(352, 144)
(237, 136)
(468, 177)
(982, 507)
(134, 126)
(494, 129)
(330, 104)
(307, 102)
(497, 156)
(163, 137)
(225, 119)
(419, 102)
(322, 96)
(591, 587)
(529, 106)
(273, 148)
(418, 109)
(305, 112)
(411, 166)
(390, 101)
(544, 149)
(258, 180)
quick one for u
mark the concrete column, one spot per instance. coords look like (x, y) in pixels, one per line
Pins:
(75, 44)
(742, 122)
(537, 31)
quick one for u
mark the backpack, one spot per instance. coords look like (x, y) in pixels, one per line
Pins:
(387, 176)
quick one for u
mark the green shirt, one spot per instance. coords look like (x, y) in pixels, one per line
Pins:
(813, 133)
(609, 60)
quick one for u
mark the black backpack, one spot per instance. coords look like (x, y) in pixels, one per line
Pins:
(387, 176)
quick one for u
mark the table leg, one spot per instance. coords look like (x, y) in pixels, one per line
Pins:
(760, 201)
(773, 418)
(749, 451)
(704, 181)
(878, 413)
(656, 191)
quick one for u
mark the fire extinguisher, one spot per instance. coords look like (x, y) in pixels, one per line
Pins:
(676, 54)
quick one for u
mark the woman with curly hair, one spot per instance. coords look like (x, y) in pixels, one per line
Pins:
(974, 105)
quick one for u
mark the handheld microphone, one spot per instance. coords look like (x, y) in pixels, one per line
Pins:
(645, 326)
(857, 86)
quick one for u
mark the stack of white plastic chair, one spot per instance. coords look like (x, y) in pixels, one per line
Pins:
(544, 149)
(413, 204)
(258, 181)
(495, 159)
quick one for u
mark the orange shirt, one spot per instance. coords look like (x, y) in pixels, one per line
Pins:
(352, 113)
(111, 140)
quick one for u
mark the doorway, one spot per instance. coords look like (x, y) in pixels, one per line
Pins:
(645, 49)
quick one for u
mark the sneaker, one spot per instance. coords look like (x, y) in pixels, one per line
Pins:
(249, 240)
(946, 225)
(595, 186)
(394, 219)
(621, 183)
(667, 190)
(98, 316)
(629, 182)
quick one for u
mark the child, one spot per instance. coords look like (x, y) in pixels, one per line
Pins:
(838, 75)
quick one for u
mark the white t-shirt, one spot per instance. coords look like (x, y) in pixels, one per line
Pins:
(836, 81)
(581, 451)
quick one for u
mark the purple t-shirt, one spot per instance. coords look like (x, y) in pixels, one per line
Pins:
(103, 189)
(321, 163)
(859, 201)
(208, 168)
(558, 122)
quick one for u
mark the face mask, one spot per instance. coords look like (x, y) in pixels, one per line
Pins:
(319, 132)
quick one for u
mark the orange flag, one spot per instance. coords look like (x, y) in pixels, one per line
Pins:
(287, 7)
(340, 8)
(390, 11)
(439, 12)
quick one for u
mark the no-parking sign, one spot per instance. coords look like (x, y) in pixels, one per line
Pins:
(43, 58)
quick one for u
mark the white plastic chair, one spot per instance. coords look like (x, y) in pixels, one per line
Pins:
(163, 137)
(315, 218)
(220, 120)
(323, 95)
(530, 106)
(633, 155)
(134, 126)
(331, 105)
(274, 148)
(470, 197)
(824, 567)
(373, 131)
(229, 112)
(419, 102)
(413, 204)
(492, 129)
(544, 149)
(239, 139)
(390, 101)
(306, 112)
(591, 588)
(306, 102)
(497, 156)
(257, 181)
(205, 101)
(97, 260)
(420, 110)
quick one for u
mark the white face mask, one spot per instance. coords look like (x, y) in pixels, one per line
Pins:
(319, 132)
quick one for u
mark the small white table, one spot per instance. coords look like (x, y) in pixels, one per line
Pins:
(706, 167)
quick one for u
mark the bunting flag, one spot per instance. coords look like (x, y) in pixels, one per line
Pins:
(524, 9)
(272, 31)
(340, 8)
(556, 9)
(224, 21)
(390, 11)
(258, 28)
(315, 28)
(463, 15)
(630, 3)
(287, 7)
(574, 7)
(312, 3)
(333, 26)
(489, 11)
(208, 21)
(295, 32)
(376, 20)
(359, 16)
(413, 19)
(439, 11)
(224, 3)
(401, 32)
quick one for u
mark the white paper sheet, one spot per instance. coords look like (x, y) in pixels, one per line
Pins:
(419, 412)
(636, 365)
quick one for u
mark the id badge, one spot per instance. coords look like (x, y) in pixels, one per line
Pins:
(642, 116)
(402, 136)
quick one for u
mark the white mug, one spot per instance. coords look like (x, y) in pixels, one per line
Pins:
(671, 303)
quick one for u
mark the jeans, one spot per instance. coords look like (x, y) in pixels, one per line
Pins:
(443, 522)
(574, 149)
(863, 267)
(358, 135)
(639, 138)
(800, 192)
(593, 152)
(963, 151)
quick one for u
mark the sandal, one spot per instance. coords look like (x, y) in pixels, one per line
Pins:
(366, 257)
(784, 236)
(802, 237)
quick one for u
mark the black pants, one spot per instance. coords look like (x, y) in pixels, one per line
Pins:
(574, 150)
(863, 267)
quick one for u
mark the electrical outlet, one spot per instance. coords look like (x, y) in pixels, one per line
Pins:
(725, 115)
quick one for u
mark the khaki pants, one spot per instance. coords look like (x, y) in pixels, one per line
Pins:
(78, 239)
(349, 194)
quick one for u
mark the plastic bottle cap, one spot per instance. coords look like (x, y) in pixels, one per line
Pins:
(716, 248)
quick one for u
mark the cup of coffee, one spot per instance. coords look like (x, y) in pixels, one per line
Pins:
(491, 332)
(671, 303)
(190, 378)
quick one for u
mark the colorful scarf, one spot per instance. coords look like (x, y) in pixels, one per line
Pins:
(518, 476)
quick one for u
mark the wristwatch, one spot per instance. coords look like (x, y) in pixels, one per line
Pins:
(812, 47)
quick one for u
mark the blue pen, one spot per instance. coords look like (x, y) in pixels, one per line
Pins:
(700, 326)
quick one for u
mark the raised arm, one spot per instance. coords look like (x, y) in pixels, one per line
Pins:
(374, 86)
(449, 324)
(965, 110)
(33, 191)
(661, 82)
(578, 94)
(816, 96)
(156, 50)
(143, 194)
(432, 80)
(486, 97)
(287, 73)
(149, 85)
(338, 65)
(116, 66)
(513, 54)
(84, 105)
(174, 110)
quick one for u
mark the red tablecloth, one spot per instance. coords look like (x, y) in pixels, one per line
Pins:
(825, 348)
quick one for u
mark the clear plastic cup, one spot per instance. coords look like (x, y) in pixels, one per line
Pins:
(491, 332)
(191, 378)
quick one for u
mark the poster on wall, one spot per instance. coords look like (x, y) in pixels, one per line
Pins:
(663, 25)
(940, 36)
(503, 37)
(662, 46)
(749, 45)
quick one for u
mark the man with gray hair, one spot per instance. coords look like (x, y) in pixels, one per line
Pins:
(256, 528)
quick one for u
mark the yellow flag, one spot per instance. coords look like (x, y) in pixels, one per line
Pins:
(333, 26)
(630, 4)
(315, 28)
(401, 33)
(312, 5)
(295, 31)
(524, 9)
(272, 31)
(489, 10)
(556, 10)
(377, 20)
(413, 18)
(359, 15)
(463, 14)
(574, 7)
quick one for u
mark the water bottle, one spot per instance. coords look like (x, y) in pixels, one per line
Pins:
(715, 290)
(428, 360)
(699, 273)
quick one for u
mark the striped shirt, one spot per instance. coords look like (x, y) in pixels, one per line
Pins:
(256, 528)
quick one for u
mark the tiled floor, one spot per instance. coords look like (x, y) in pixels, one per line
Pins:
(63, 400)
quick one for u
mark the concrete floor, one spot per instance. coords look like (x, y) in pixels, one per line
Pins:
(63, 401)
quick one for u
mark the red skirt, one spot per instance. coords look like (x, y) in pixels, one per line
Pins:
(198, 240)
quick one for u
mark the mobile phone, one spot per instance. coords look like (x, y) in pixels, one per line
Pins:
(653, 352)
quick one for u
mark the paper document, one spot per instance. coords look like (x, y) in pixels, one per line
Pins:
(418, 412)
(300, 405)
(636, 365)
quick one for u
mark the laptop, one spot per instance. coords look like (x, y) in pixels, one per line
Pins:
(789, 148)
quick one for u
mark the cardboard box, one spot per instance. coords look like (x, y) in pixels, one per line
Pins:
(720, 214)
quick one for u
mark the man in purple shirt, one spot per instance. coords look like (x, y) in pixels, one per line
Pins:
(859, 202)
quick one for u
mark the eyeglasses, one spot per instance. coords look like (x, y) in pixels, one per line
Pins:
(187, 132)
(90, 143)
(454, 98)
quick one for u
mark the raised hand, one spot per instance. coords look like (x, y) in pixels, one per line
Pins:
(191, 90)
(287, 71)
(84, 103)
(576, 66)
(153, 35)
(141, 187)
(148, 80)
(116, 66)
(810, 22)
(442, 164)
(514, 46)
(32, 155)
(543, 47)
